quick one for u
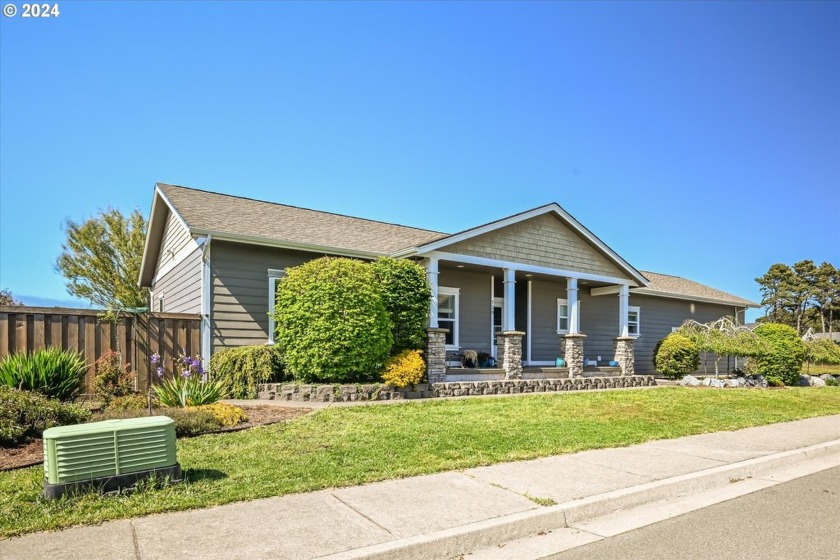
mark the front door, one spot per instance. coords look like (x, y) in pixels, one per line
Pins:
(498, 313)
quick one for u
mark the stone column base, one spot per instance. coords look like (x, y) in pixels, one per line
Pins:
(509, 345)
(573, 354)
(436, 355)
(624, 354)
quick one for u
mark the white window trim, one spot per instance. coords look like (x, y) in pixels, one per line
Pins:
(638, 322)
(562, 301)
(273, 275)
(456, 322)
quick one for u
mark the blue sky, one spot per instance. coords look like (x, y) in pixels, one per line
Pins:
(696, 139)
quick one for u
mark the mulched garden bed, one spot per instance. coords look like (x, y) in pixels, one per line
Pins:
(33, 453)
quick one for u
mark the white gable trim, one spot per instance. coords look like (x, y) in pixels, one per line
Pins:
(156, 221)
(610, 290)
(172, 208)
(552, 208)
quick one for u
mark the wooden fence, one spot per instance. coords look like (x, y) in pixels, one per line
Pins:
(137, 337)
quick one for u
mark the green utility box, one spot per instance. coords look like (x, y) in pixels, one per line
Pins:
(109, 455)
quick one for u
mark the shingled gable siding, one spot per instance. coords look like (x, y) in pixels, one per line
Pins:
(540, 241)
(240, 290)
(175, 238)
(180, 286)
(474, 306)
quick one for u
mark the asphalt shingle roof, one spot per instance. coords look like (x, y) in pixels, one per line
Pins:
(210, 212)
(225, 214)
(666, 284)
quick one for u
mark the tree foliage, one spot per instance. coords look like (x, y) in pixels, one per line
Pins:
(405, 293)
(101, 259)
(782, 355)
(331, 322)
(723, 337)
(803, 295)
(6, 298)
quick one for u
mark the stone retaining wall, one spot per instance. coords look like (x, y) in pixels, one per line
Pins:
(514, 386)
(380, 392)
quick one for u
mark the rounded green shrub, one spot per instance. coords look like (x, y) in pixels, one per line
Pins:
(26, 414)
(113, 378)
(332, 325)
(241, 369)
(783, 355)
(53, 372)
(405, 294)
(676, 356)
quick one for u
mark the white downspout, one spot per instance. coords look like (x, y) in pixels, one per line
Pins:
(206, 308)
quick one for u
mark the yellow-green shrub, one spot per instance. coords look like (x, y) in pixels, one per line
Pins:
(227, 414)
(404, 369)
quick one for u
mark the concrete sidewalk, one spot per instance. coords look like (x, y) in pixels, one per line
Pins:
(443, 515)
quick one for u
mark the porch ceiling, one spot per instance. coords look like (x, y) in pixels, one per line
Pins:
(521, 276)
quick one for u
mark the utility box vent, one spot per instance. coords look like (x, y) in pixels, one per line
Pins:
(109, 455)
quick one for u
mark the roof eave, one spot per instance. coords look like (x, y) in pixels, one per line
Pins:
(286, 244)
(702, 299)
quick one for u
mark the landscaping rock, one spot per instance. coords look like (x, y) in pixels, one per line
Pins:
(826, 376)
(690, 381)
(817, 382)
(804, 380)
(710, 382)
(736, 382)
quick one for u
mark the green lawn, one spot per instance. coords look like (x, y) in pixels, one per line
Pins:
(347, 446)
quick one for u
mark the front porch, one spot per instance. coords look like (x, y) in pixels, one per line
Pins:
(534, 372)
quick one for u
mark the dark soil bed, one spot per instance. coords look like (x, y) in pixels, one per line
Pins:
(33, 453)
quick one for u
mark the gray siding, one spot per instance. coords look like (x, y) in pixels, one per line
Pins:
(180, 287)
(546, 344)
(175, 238)
(474, 307)
(240, 290)
(659, 315)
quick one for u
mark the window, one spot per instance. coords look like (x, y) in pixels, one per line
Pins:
(274, 277)
(562, 316)
(634, 321)
(448, 315)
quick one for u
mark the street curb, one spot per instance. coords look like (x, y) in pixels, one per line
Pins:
(448, 543)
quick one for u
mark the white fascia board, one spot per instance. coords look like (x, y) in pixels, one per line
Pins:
(548, 208)
(147, 241)
(699, 299)
(493, 263)
(172, 208)
(153, 219)
(282, 244)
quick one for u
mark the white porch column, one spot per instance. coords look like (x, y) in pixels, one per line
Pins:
(624, 310)
(509, 323)
(573, 305)
(432, 277)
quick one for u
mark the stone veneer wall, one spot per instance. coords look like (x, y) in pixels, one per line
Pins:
(374, 391)
(515, 386)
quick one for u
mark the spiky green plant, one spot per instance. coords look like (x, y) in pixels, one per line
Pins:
(53, 372)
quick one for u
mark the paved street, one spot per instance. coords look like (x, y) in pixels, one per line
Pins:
(795, 520)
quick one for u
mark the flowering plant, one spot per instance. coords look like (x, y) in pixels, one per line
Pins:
(190, 387)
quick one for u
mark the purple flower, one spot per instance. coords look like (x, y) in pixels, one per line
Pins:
(185, 360)
(160, 372)
(185, 373)
(195, 363)
(155, 358)
(200, 369)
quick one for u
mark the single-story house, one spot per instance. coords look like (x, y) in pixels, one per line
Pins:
(527, 288)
